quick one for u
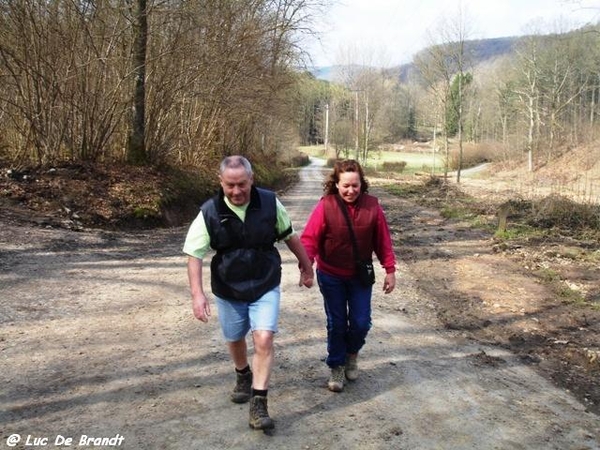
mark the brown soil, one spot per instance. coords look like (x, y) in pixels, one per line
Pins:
(110, 197)
(537, 297)
(96, 333)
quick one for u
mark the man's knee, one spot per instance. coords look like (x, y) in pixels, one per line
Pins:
(263, 340)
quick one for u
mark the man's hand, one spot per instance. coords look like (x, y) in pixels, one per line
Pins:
(307, 277)
(200, 304)
(201, 307)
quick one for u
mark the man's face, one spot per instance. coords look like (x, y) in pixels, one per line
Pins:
(236, 184)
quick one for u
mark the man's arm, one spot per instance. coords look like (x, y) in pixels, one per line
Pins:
(200, 304)
(306, 271)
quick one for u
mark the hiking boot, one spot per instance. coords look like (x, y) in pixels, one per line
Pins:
(243, 388)
(259, 414)
(336, 380)
(351, 367)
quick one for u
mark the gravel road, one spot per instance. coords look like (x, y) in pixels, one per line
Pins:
(97, 339)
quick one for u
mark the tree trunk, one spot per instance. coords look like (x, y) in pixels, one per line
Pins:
(530, 133)
(460, 122)
(136, 147)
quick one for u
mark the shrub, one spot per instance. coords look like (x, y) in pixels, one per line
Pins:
(330, 162)
(473, 155)
(300, 160)
(556, 211)
(396, 166)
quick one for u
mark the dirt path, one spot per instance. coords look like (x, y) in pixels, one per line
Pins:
(97, 338)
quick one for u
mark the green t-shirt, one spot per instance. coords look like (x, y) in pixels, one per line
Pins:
(197, 241)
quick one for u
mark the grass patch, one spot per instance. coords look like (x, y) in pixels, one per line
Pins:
(405, 162)
(145, 213)
(562, 290)
(593, 256)
(403, 190)
(548, 275)
(387, 161)
(483, 222)
(519, 231)
(571, 296)
(454, 212)
(397, 166)
(469, 214)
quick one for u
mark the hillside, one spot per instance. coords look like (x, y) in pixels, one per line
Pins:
(79, 196)
(105, 196)
(479, 51)
(575, 175)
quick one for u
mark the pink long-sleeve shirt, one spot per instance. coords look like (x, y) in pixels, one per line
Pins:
(315, 227)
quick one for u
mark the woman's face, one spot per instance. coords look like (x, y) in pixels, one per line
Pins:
(349, 186)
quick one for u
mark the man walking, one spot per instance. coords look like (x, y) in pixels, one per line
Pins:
(241, 224)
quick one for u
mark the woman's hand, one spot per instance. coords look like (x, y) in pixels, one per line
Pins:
(307, 277)
(389, 283)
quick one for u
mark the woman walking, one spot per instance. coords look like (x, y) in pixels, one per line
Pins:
(343, 231)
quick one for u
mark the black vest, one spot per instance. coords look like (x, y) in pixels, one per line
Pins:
(246, 264)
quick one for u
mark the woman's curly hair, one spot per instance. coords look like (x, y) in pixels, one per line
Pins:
(342, 166)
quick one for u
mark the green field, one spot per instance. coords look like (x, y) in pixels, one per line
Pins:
(415, 161)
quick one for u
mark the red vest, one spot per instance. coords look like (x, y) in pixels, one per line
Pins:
(336, 248)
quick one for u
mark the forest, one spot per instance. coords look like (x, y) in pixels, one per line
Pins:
(147, 82)
(537, 96)
(180, 84)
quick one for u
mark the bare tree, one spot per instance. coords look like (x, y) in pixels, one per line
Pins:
(437, 75)
(362, 74)
(440, 64)
(148, 81)
(136, 147)
(62, 94)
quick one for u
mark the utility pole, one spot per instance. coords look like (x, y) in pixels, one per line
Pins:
(366, 126)
(356, 126)
(326, 129)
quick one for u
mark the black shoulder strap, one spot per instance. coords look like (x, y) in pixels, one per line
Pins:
(344, 209)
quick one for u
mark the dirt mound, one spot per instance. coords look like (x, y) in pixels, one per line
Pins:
(537, 295)
(115, 196)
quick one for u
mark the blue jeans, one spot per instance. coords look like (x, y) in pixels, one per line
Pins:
(348, 310)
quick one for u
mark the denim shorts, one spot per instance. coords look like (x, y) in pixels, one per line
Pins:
(238, 317)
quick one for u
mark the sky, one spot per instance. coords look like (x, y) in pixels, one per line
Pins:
(390, 32)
